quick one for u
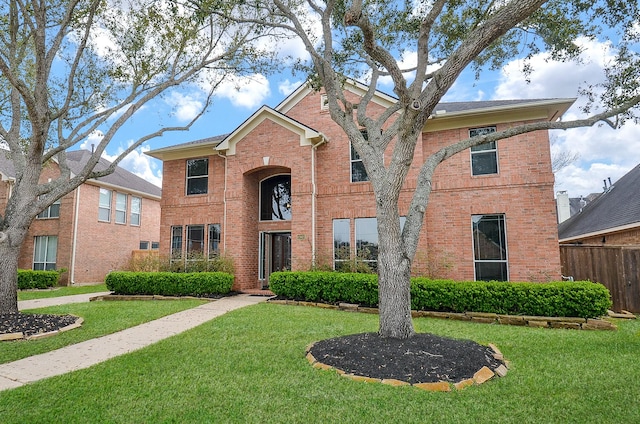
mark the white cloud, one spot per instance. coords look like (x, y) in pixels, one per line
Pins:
(287, 87)
(139, 164)
(248, 92)
(92, 141)
(603, 152)
(185, 106)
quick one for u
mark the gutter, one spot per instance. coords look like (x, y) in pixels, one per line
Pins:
(313, 196)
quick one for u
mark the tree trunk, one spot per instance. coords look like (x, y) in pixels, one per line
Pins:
(9, 254)
(394, 278)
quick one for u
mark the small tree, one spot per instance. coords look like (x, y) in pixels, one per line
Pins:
(69, 68)
(366, 39)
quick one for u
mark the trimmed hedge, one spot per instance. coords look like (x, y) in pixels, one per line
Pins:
(556, 299)
(169, 283)
(29, 279)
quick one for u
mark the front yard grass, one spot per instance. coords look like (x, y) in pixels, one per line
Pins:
(100, 318)
(248, 366)
(61, 291)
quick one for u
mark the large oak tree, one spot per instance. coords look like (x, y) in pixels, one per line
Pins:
(69, 68)
(367, 39)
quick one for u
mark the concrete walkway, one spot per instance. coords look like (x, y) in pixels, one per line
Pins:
(91, 352)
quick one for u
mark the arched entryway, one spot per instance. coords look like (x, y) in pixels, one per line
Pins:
(274, 226)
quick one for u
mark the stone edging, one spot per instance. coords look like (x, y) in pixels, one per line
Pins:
(482, 375)
(18, 336)
(481, 317)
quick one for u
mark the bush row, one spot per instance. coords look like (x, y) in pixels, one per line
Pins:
(567, 299)
(29, 279)
(169, 283)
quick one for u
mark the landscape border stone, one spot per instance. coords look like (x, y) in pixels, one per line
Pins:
(20, 335)
(483, 375)
(570, 323)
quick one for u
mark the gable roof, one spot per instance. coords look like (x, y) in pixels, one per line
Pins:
(446, 115)
(616, 209)
(77, 159)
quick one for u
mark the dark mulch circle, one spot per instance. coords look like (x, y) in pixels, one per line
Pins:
(30, 324)
(423, 358)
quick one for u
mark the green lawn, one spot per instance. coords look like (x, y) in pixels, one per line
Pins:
(60, 291)
(248, 366)
(100, 318)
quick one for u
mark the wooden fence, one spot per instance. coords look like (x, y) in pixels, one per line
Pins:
(618, 268)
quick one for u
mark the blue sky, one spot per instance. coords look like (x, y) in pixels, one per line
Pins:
(602, 152)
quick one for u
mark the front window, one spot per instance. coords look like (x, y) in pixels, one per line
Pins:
(275, 198)
(484, 157)
(144, 245)
(490, 247)
(195, 241)
(136, 205)
(52, 211)
(214, 240)
(176, 242)
(104, 208)
(197, 176)
(367, 241)
(341, 244)
(121, 208)
(45, 252)
(358, 172)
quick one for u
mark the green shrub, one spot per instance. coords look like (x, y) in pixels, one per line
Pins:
(28, 279)
(169, 283)
(570, 299)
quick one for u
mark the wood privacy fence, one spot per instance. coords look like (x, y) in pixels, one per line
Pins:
(617, 268)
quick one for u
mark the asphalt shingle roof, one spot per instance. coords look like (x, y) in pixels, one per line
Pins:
(617, 207)
(78, 158)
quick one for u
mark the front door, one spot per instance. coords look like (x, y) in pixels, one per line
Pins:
(275, 255)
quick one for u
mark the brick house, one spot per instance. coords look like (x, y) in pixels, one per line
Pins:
(285, 190)
(93, 229)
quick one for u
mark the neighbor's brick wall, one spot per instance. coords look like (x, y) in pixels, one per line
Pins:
(621, 238)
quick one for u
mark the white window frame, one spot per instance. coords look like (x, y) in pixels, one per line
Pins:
(197, 177)
(121, 208)
(136, 211)
(51, 212)
(48, 255)
(102, 206)
(482, 131)
(502, 260)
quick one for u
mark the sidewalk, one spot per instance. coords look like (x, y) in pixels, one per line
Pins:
(91, 352)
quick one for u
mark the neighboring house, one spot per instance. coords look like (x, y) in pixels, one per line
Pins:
(569, 206)
(93, 229)
(602, 242)
(613, 218)
(285, 190)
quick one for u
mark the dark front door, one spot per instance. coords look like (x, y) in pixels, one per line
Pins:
(276, 254)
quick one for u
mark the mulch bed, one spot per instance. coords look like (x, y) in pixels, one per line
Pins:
(30, 324)
(423, 358)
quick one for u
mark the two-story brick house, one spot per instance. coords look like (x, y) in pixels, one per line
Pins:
(93, 229)
(285, 190)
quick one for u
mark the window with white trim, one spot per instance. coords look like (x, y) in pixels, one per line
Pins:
(214, 240)
(136, 206)
(490, 247)
(341, 244)
(45, 250)
(176, 242)
(197, 176)
(484, 157)
(358, 171)
(121, 208)
(52, 211)
(104, 208)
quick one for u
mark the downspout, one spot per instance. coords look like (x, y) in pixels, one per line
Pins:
(224, 203)
(74, 238)
(313, 198)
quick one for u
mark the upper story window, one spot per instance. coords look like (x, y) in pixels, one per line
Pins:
(275, 198)
(104, 208)
(197, 176)
(484, 157)
(136, 205)
(52, 211)
(358, 172)
(121, 208)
